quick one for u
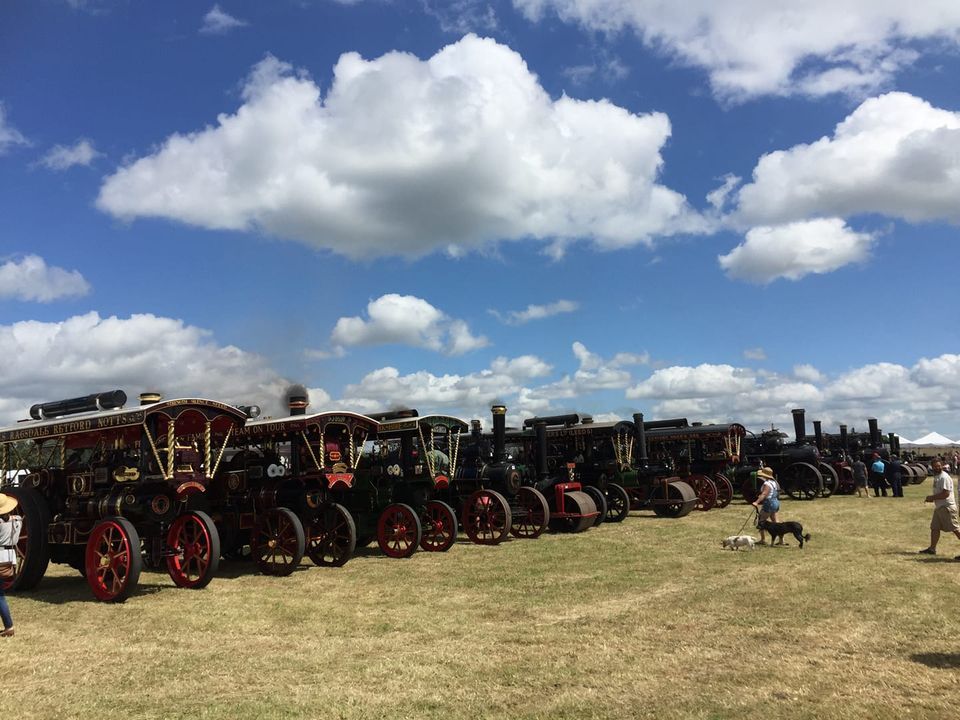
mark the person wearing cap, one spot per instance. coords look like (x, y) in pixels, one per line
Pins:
(944, 508)
(10, 526)
(877, 480)
(768, 502)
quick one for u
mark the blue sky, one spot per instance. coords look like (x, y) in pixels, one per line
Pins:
(721, 211)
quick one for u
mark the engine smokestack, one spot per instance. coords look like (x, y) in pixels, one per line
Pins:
(843, 437)
(641, 438)
(818, 434)
(800, 424)
(540, 429)
(297, 399)
(874, 433)
(499, 432)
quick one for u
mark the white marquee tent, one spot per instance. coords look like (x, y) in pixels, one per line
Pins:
(933, 439)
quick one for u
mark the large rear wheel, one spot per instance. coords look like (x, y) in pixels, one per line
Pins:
(705, 490)
(33, 554)
(487, 518)
(802, 481)
(724, 490)
(831, 479)
(531, 514)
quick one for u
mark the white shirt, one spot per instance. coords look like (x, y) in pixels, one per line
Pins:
(10, 535)
(944, 482)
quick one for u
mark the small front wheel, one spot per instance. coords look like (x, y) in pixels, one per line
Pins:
(194, 545)
(618, 503)
(112, 560)
(440, 528)
(331, 536)
(399, 531)
(278, 542)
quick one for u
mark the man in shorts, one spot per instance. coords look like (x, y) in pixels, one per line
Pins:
(944, 508)
(860, 477)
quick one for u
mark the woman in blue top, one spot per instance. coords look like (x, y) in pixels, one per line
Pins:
(768, 502)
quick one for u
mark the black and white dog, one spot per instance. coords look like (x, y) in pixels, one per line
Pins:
(778, 530)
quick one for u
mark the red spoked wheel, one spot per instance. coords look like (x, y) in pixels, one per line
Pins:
(112, 560)
(194, 545)
(724, 490)
(399, 531)
(277, 543)
(531, 514)
(705, 489)
(332, 536)
(33, 554)
(440, 528)
(487, 517)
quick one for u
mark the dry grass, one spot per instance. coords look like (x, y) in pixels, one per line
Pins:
(645, 619)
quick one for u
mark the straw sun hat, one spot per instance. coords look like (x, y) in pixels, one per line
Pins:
(765, 473)
(7, 503)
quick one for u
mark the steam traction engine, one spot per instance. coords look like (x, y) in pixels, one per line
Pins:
(797, 465)
(416, 455)
(701, 455)
(285, 490)
(571, 509)
(488, 488)
(100, 487)
(588, 451)
(651, 483)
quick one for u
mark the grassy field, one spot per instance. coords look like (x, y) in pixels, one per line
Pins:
(649, 618)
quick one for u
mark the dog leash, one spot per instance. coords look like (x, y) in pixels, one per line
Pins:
(754, 513)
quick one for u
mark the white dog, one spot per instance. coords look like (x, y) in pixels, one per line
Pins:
(735, 542)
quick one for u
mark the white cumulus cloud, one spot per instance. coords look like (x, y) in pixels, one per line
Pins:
(690, 382)
(759, 47)
(895, 155)
(406, 320)
(62, 157)
(88, 353)
(31, 279)
(796, 249)
(404, 156)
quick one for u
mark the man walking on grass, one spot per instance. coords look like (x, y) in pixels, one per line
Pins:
(944, 508)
